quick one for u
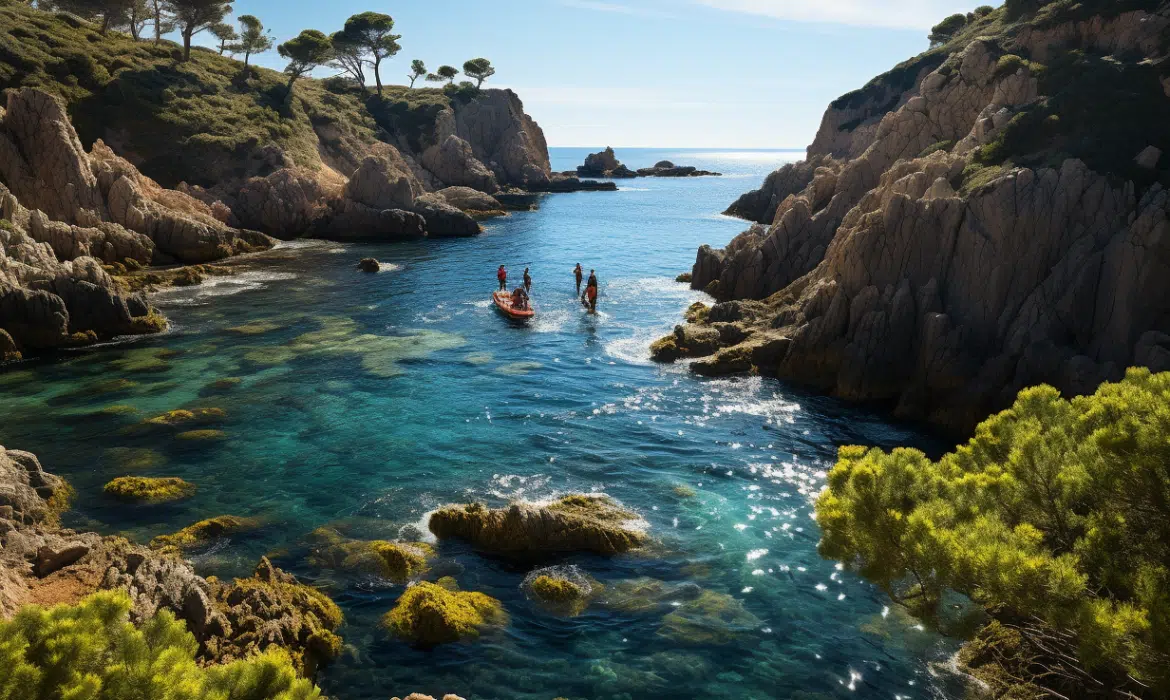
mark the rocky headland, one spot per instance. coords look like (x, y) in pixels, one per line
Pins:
(987, 216)
(176, 178)
(605, 164)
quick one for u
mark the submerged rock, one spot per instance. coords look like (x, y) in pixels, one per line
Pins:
(572, 523)
(148, 489)
(204, 531)
(562, 590)
(369, 265)
(711, 618)
(428, 615)
(396, 561)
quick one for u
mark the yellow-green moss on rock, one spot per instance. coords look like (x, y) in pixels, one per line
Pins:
(202, 435)
(132, 458)
(573, 523)
(149, 490)
(185, 417)
(428, 614)
(271, 608)
(556, 590)
(397, 561)
(204, 531)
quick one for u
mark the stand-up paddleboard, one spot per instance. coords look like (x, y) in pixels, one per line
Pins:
(503, 302)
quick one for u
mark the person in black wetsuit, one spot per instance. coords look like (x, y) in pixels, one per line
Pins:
(578, 273)
(527, 281)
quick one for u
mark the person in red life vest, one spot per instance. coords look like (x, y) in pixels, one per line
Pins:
(502, 276)
(589, 298)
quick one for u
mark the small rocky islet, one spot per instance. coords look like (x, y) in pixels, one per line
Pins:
(881, 268)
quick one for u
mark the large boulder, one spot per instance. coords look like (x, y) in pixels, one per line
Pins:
(453, 161)
(353, 221)
(378, 184)
(444, 220)
(286, 204)
(573, 523)
(469, 200)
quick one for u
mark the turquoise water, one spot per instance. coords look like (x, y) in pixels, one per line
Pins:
(365, 401)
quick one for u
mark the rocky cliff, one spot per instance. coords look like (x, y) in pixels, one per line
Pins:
(235, 140)
(69, 216)
(988, 216)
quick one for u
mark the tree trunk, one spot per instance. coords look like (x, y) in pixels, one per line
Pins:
(157, 21)
(479, 83)
(378, 74)
(247, 55)
(186, 44)
(288, 95)
(105, 23)
(412, 79)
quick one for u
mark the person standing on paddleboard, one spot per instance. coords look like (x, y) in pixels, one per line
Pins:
(578, 273)
(527, 281)
(589, 298)
(502, 276)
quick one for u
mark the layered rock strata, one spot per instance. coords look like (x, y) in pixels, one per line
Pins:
(65, 213)
(906, 261)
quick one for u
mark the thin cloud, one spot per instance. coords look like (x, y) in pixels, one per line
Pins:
(598, 6)
(892, 14)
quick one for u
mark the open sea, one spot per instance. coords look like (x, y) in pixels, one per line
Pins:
(366, 401)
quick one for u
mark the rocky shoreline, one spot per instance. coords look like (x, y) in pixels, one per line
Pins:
(77, 226)
(915, 258)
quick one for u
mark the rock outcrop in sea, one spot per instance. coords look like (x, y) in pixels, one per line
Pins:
(605, 164)
(988, 216)
(574, 523)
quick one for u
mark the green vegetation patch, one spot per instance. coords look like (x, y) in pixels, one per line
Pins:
(1054, 517)
(91, 650)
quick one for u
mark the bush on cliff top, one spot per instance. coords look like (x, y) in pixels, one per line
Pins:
(204, 120)
(90, 651)
(1054, 516)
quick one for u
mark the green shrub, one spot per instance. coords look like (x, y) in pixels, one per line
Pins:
(90, 651)
(1056, 511)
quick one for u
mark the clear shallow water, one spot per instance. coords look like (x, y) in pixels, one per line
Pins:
(367, 400)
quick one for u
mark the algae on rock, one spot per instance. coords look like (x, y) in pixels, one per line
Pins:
(148, 489)
(203, 532)
(572, 523)
(428, 614)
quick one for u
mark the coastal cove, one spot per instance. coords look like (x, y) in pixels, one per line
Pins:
(362, 402)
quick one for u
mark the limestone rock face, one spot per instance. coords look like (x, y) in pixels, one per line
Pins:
(286, 204)
(444, 220)
(26, 489)
(502, 137)
(48, 300)
(453, 161)
(469, 200)
(45, 167)
(378, 184)
(882, 276)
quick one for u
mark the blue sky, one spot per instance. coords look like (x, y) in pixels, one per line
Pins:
(663, 73)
